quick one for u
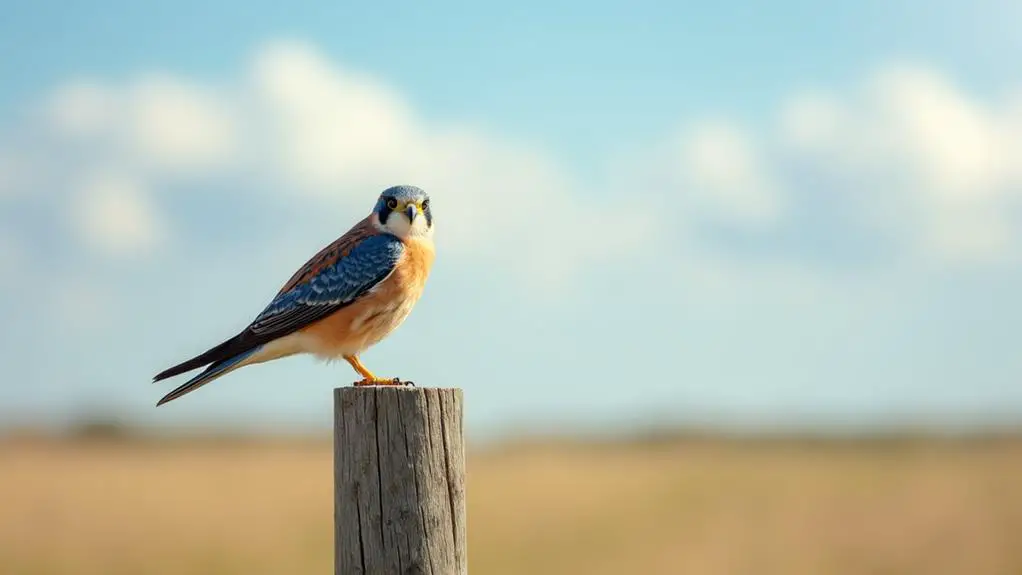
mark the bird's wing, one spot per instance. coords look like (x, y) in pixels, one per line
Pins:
(329, 255)
(334, 278)
(333, 286)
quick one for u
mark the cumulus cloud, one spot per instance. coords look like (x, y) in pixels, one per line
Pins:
(82, 108)
(115, 215)
(331, 128)
(909, 156)
(736, 224)
(179, 126)
(296, 124)
(723, 174)
(335, 130)
(813, 121)
(157, 122)
(940, 166)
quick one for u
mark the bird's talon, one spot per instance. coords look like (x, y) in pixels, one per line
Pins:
(381, 381)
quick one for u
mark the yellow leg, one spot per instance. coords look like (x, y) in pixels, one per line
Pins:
(367, 376)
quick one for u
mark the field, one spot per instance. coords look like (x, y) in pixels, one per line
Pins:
(696, 506)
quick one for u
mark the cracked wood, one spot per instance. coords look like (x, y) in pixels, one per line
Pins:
(399, 481)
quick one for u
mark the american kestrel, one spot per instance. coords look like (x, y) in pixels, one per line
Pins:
(348, 297)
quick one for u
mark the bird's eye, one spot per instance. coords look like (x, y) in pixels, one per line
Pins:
(425, 205)
(392, 204)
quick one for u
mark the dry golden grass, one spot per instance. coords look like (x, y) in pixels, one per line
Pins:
(698, 507)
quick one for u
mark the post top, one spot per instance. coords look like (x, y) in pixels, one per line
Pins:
(392, 388)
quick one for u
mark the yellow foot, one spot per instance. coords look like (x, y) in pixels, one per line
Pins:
(382, 381)
(367, 376)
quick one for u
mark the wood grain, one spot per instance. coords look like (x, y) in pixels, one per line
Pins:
(399, 481)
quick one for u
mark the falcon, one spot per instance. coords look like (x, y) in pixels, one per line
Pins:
(345, 299)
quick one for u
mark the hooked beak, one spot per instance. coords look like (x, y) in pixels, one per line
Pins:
(412, 210)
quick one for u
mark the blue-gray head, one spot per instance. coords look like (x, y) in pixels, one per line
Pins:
(404, 211)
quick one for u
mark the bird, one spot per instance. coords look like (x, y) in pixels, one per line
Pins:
(348, 297)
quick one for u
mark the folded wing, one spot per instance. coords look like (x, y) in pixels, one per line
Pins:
(318, 289)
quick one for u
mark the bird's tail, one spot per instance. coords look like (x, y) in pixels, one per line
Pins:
(212, 372)
(216, 354)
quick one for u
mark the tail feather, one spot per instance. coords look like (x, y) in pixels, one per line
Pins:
(214, 371)
(222, 352)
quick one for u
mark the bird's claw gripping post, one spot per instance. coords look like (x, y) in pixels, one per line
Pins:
(367, 376)
(381, 381)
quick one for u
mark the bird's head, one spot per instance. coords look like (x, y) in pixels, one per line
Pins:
(404, 211)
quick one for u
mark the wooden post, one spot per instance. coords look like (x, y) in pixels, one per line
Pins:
(399, 481)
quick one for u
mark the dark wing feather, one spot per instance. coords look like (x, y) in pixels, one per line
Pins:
(336, 286)
(329, 255)
(333, 279)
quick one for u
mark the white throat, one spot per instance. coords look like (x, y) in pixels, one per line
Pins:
(398, 224)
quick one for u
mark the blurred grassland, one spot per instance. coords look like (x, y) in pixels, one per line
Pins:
(706, 506)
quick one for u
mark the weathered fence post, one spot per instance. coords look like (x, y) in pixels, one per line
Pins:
(399, 481)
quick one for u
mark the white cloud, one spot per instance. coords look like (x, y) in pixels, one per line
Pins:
(304, 126)
(331, 128)
(82, 108)
(180, 126)
(909, 153)
(326, 139)
(723, 174)
(156, 122)
(813, 121)
(938, 166)
(341, 135)
(115, 215)
(952, 142)
(335, 130)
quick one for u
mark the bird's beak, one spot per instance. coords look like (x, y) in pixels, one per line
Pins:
(412, 210)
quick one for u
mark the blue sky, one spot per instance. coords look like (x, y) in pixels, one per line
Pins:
(723, 213)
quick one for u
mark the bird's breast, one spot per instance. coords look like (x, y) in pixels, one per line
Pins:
(413, 269)
(365, 322)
